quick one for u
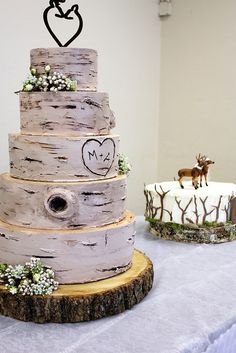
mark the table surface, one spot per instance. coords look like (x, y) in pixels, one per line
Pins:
(190, 308)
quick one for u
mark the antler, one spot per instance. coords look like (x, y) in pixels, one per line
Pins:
(200, 158)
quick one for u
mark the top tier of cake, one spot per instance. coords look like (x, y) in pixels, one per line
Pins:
(77, 63)
(81, 113)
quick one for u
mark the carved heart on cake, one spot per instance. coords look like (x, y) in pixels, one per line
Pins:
(98, 157)
(69, 24)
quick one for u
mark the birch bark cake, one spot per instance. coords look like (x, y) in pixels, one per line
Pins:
(78, 63)
(66, 113)
(76, 256)
(85, 204)
(63, 158)
(64, 200)
(187, 214)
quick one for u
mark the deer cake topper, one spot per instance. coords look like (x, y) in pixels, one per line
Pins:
(199, 170)
(57, 12)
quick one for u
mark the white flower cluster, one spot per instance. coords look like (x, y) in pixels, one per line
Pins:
(49, 81)
(31, 279)
(124, 165)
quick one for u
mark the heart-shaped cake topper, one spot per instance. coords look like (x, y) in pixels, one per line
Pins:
(71, 14)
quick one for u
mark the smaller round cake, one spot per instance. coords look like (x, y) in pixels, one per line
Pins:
(204, 215)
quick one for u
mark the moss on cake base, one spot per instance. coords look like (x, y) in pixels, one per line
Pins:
(209, 232)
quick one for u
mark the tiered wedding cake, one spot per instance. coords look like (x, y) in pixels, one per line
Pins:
(63, 200)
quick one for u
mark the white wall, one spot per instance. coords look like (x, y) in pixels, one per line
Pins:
(198, 87)
(126, 35)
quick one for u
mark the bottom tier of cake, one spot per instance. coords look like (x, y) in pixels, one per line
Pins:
(84, 302)
(76, 256)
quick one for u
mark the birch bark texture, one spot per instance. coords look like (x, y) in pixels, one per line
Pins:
(79, 64)
(63, 200)
(62, 205)
(62, 158)
(66, 113)
(76, 256)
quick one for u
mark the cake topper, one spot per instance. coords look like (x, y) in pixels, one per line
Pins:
(71, 15)
(199, 170)
(207, 162)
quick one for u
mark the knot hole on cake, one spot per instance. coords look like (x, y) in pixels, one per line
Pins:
(57, 204)
(61, 203)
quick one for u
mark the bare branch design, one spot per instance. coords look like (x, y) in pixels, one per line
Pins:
(189, 220)
(206, 214)
(162, 196)
(184, 210)
(151, 210)
(196, 210)
(233, 209)
(170, 214)
(227, 207)
(217, 209)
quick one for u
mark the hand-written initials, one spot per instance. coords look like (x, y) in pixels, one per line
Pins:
(102, 157)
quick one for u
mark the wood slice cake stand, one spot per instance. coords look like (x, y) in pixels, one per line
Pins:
(83, 302)
(191, 233)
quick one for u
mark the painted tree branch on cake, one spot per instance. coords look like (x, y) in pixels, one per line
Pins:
(217, 208)
(162, 197)
(184, 210)
(203, 201)
(198, 215)
(151, 210)
(228, 207)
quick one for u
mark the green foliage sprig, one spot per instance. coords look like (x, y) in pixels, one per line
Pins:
(33, 278)
(124, 165)
(48, 81)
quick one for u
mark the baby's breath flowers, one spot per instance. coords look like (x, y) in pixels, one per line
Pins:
(124, 165)
(31, 279)
(48, 81)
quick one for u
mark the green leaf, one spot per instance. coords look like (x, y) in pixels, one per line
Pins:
(3, 267)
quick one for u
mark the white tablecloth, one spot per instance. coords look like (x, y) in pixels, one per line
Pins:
(190, 309)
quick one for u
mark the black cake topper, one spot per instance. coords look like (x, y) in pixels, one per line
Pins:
(55, 4)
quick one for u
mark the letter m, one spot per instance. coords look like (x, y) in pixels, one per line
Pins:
(92, 155)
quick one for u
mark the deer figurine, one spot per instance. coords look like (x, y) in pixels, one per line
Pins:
(193, 173)
(204, 172)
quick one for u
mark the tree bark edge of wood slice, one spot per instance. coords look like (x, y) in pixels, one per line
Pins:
(195, 234)
(84, 302)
